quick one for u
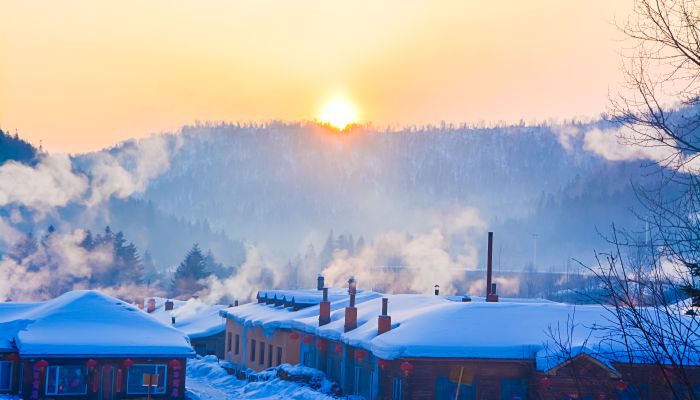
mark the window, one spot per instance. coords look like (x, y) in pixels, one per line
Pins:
(237, 345)
(269, 356)
(5, 375)
(396, 389)
(134, 381)
(66, 380)
(279, 355)
(252, 350)
(262, 353)
(229, 335)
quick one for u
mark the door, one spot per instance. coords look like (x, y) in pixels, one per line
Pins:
(107, 383)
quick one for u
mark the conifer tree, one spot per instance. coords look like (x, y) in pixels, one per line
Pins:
(186, 280)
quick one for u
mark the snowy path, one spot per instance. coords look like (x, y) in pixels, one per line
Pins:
(207, 381)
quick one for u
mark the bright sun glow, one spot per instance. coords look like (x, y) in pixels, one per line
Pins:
(338, 113)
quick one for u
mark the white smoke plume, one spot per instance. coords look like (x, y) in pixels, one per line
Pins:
(253, 275)
(401, 263)
(59, 262)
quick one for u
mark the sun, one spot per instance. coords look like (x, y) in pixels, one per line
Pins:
(338, 113)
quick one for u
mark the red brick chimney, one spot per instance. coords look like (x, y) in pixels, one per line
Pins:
(324, 314)
(351, 310)
(139, 302)
(151, 305)
(169, 305)
(384, 322)
(491, 295)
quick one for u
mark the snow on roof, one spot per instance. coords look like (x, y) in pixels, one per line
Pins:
(193, 317)
(89, 323)
(437, 326)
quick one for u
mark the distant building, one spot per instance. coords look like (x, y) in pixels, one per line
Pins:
(201, 322)
(87, 345)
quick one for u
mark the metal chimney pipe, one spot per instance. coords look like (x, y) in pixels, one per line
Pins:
(320, 282)
(437, 290)
(385, 306)
(325, 294)
(489, 264)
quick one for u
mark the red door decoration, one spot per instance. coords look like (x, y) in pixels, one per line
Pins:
(176, 366)
(307, 339)
(360, 355)
(383, 363)
(406, 367)
(620, 385)
(128, 363)
(339, 349)
(37, 370)
(294, 336)
(546, 382)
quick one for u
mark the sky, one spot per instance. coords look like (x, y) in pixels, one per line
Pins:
(79, 76)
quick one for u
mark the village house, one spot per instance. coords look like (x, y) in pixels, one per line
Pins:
(87, 345)
(201, 322)
(415, 346)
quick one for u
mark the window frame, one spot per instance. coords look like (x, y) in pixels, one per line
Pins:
(270, 349)
(229, 340)
(9, 382)
(253, 346)
(154, 389)
(261, 359)
(279, 355)
(237, 345)
(396, 388)
(56, 393)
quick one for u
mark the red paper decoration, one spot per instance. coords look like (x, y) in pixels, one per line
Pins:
(174, 364)
(91, 363)
(41, 364)
(294, 336)
(546, 382)
(360, 354)
(406, 367)
(307, 339)
(383, 363)
(128, 363)
(320, 344)
(620, 385)
(339, 348)
(11, 357)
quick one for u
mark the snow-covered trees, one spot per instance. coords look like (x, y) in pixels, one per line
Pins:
(190, 272)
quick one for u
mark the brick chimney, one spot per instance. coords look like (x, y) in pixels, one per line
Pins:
(320, 282)
(169, 305)
(384, 322)
(235, 303)
(324, 315)
(139, 302)
(151, 305)
(351, 311)
(491, 295)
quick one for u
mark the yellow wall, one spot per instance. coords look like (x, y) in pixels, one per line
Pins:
(279, 339)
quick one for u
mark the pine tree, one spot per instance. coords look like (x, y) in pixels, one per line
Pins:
(186, 280)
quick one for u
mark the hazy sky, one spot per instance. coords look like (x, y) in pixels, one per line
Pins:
(81, 75)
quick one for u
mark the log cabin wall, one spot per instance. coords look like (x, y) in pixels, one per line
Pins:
(279, 347)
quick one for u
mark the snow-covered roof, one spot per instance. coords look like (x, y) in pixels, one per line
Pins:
(437, 326)
(193, 317)
(88, 323)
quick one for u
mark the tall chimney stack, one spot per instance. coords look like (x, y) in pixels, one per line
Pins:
(169, 305)
(320, 282)
(351, 311)
(324, 314)
(384, 322)
(491, 295)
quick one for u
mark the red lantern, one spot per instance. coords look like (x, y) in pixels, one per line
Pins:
(546, 382)
(11, 357)
(41, 364)
(320, 344)
(383, 363)
(620, 385)
(360, 355)
(406, 367)
(307, 339)
(174, 364)
(91, 363)
(294, 336)
(339, 348)
(128, 363)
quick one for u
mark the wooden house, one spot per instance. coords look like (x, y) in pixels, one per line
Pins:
(87, 345)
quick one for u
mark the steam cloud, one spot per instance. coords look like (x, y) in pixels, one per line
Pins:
(60, 263)
(402, 263)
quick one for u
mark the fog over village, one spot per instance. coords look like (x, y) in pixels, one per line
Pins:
(417, 234)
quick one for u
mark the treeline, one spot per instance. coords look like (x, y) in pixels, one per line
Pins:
(115, 261)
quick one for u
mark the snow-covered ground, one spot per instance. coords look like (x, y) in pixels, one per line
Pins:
(206, 380)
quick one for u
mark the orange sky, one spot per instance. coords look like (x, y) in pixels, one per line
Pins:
(81, 75)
